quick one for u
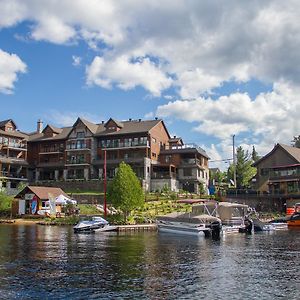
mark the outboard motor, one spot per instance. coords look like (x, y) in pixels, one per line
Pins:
(216, 228)
(248, 225)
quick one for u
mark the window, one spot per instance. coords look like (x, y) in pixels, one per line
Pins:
(264, 172)
(80, 134)
(143, 140)
(187, 172)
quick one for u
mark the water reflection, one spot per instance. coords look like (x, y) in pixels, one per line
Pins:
(39, 262)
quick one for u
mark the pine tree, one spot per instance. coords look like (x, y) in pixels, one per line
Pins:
(254, 155)
(125, 191)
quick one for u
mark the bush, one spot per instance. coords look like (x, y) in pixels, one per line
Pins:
(5, 204)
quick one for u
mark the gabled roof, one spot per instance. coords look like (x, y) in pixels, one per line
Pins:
(119, 124)
(91, 126)
(4, 122)
(293, 152)
(133, 126)
(54, 129)
(38, 137)
(176, 140)
(42, 192)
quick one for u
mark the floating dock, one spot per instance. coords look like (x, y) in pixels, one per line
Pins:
(140, 227)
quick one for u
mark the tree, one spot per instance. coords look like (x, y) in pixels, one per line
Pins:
(244, 169)
(254, 155)
(125, 191)
(296, 141)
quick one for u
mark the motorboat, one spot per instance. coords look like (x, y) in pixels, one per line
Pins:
(95, 224)
(234, 216)
(294, 220)
(189, 224)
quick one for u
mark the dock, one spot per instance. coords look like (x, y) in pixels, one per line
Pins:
(139, 227)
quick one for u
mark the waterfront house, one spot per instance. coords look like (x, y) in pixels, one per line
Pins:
(13, 155)
(35, 199)
(278, 172)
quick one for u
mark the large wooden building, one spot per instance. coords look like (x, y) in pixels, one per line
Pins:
(77, 153)
(13, 155)
(278, 172)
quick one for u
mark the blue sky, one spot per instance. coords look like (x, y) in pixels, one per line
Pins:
(210, 69)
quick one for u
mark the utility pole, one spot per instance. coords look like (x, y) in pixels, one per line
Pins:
(234, 161)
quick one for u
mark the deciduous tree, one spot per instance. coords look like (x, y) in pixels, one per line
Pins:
(125, 191)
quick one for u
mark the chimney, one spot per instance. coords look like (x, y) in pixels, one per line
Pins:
(156, 118)
(174, 136)
(140, 120)
(39, 128)
(102, 122)
(130, 119)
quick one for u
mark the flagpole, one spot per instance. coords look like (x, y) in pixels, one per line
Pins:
(104, 185)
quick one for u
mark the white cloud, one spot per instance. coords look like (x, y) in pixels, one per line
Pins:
(127, 74)
(57, 118)
(270, 117)
(76, 60)
(10, 66)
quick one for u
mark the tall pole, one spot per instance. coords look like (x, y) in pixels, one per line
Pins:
(104, 185)
(234, 161)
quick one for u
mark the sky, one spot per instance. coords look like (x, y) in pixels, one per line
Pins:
(210, 69)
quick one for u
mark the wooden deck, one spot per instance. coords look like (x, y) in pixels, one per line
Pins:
(140, 227)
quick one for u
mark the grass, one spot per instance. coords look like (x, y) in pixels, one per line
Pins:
(88, 209)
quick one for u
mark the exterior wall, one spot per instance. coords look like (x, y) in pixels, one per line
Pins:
(159, 184)
(278, 158)
(158, 139)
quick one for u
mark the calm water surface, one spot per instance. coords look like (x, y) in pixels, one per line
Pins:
(38, 262)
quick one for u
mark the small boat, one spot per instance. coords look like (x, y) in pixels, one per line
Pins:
(189, 224)
(95, 224)
(294, 220)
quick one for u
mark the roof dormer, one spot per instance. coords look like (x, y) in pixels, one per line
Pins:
(113, 125)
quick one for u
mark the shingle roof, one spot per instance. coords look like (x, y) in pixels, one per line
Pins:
(134, 126)
(54, 129)
(4, 122)
(37, 137)
(292, 151)
(43, 192)
(14, 133)
(91, 126)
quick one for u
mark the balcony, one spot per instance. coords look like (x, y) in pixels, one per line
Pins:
(72, 147)
(77, 162)
(165, 175)
(14, 146)
(51, 151)
(12, 175)
(42, 164)
(122, 145)
(13, 160)
(117, 161)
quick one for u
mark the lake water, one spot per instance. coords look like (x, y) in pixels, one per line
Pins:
(39, 262)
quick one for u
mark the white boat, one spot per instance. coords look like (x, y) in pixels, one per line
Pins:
(93, 225)
(189, 224)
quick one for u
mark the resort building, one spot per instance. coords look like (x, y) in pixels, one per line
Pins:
(13, 155)
(80, 152)
(278, 172)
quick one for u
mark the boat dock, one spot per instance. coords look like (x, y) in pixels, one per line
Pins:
(139, 227)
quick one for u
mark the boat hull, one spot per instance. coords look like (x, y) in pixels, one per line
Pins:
(293, 222)
(180, 228)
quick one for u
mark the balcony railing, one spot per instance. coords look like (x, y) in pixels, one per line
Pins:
(14, 145)
(124, 145)
(78, 147)
(77, 162)
(6, 174)
(51, 150)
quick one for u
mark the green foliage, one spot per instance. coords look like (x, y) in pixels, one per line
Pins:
(125, 191)
(254, 155)
(244, 169)
(71, 220)
(296, 141)
(5, 204)
(88, 209)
